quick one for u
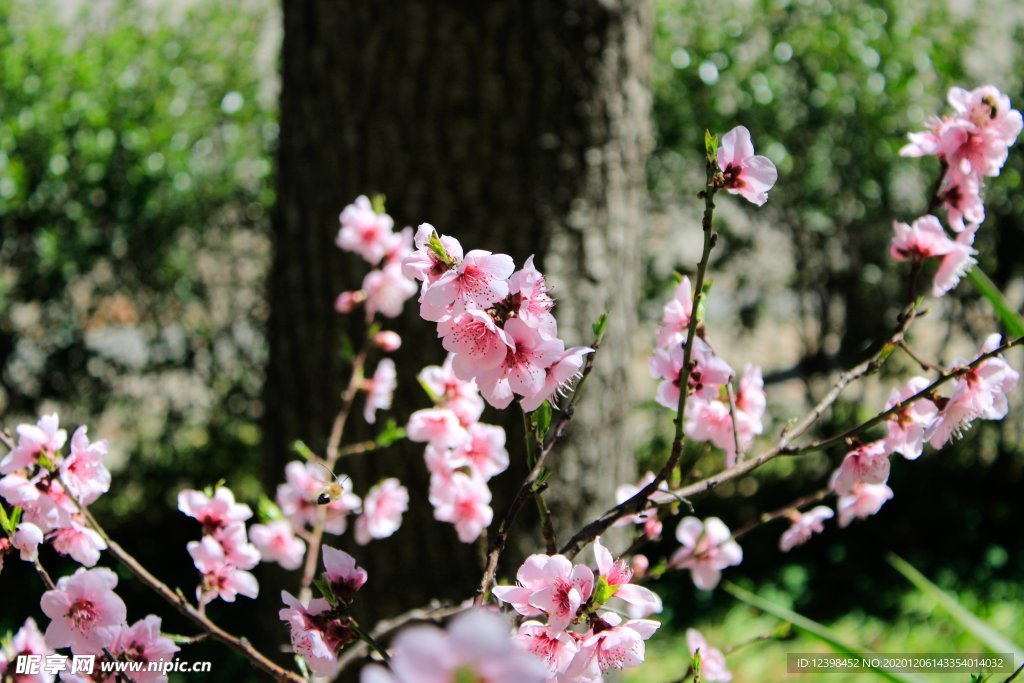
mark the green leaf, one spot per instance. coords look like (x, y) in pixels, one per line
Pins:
(268, 510)
(986, 635)
(377, 202)
(813, 628)
(15, 518)
(602, 591)
(542, 419)
(599, 327)
(1012, 320)
(347, 350)
(390, 434)
(695, 664)
(711, 147)
(300, 448)
(323, 586)
(5, 523)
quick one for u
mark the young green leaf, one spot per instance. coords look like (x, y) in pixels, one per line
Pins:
(390, 434)
(599, 327)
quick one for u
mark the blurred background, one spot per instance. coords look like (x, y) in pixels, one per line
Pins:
(170, 178)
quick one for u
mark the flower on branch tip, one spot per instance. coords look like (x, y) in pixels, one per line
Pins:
(365, 232)
(862, 501)
(477, 646)
(43, 438)
(317, 634)
(712, 661)
(383, 507)
(614, 577)
(906, 427)
(707, 549)
(220, 578)
(380, 389)
(745, 174)
(343, 576)
(277, 542)
(213, 512)
(868, 463)
(85, 612)
(27, 641)
(804, 525)
(142, 642)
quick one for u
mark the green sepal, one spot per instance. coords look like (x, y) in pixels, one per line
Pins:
(300, 448)
(377, 201)
(541, 419)
(599, 327)
(268, 510)
(390, 434)
(711, 147)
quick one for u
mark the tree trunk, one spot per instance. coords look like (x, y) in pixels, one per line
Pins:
(517, 127)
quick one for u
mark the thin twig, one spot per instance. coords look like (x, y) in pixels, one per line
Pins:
(555, 436)
(333, 453)
(639, 500)
(178, 601)
(386, 627)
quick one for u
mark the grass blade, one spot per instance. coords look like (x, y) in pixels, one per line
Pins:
(815, 629)
(1012, 320)
(986, 635)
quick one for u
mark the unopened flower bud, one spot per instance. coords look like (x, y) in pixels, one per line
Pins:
(387, 340)
(639, 564)
(347, 301)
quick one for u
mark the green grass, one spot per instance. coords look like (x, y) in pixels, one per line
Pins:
(921, 627)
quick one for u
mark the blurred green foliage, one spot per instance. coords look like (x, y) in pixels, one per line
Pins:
(136, 145)
(135, 168)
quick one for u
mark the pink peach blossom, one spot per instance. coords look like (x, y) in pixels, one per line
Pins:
(530, 578)
(956, 263)
(616, 645)
(438, 426)
(388, 341)
(315, 634)
(804, 526)
(464, 502)
(423, 263)
(82, 471)
(297, 497)
(862, 501)
(526, 362)
(344, 577)
(383, 507)
(922, 240)
(906, 428)
(559, 376)
(556, 649)
(221, 579)
(364, 231)
(387, 290)
(483, 452)
(707, 549)
(712, 661)
(675, 315)
(45, 437)
(448, 391)
(566, 588)
(868, 463)
(745, 174)
(26, 539)
(85, 612)
(142, 642)
(617, 576)
(480, 280)
(277, 542)
(379, 389)
(213, 513)
(477, 646)
(530, 299)
(477, 342)
(78, 541)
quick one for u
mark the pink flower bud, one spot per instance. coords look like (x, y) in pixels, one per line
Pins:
(387, 340)
(639, 564)
(347, 301)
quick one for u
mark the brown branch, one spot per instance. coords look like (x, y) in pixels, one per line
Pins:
(555, 436)
(639, 500)
(178, 601)
(333, 453)
(387, 627)
(767, 517)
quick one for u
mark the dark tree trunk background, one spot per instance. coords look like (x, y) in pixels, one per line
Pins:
(517, 127)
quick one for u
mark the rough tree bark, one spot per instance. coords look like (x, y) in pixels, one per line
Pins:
(517, 127)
